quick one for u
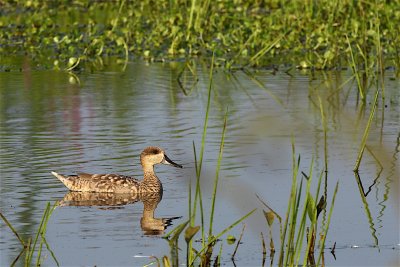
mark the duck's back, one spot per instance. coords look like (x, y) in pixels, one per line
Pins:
(112, 183)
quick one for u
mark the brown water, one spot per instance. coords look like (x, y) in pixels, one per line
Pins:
(51, 123)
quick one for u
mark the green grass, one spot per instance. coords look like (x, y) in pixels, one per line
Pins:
(312, 34)
(301, 222)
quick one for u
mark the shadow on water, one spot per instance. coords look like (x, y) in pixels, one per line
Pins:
(109, 201)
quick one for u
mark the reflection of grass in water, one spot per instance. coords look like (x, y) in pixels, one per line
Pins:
(30, 247)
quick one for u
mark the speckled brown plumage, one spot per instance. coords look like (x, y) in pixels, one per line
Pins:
(115, 183)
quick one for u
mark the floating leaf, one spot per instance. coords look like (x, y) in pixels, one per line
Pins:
(56, 64)
(120, 41)
(72, 61)
(329, 55)
(304, 64)
(230, 239)
(146, 53)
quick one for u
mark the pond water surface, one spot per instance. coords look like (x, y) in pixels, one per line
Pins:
(49, 122)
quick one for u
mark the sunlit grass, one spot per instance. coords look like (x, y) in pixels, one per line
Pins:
(241, 33)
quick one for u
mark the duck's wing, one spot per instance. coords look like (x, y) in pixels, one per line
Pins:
(108, 183)
(112, 183)
(114, 178)
(84, 175)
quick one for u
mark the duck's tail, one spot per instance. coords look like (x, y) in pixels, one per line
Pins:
(59, 176)
(62, 178)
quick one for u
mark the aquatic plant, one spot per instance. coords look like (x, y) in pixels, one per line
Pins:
(34, 246)
(293, 230)
(204, 253)
(301, 222)
(312, 34)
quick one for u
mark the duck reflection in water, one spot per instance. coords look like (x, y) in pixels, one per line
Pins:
(149, 224)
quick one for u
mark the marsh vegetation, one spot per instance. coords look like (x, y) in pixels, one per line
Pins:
(319, 35)
(325, 71)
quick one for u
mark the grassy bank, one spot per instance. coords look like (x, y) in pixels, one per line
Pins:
(318, 34)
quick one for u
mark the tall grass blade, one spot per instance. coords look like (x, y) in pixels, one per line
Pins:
(322, 246)
(38, 232)
(238, 242)
(12, 229)
(214, 196)
(366, 132)
(51, 251)
(17, 258)
(264, 249)
(355, 71)
(198, 169)
(27, 252)
(308, 208)
(203, 138)
(291, 204)
(264, 50)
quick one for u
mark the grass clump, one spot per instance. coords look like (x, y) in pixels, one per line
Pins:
(299, 229)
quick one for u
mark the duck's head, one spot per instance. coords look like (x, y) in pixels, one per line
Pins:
(153, 155)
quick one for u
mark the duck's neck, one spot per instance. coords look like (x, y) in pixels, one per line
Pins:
(150, 182)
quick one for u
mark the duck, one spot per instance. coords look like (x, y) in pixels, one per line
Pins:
(116, 183)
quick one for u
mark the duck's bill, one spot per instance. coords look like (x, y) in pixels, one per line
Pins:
(170, 162)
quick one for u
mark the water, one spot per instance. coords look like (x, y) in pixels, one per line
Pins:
(51, 123)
